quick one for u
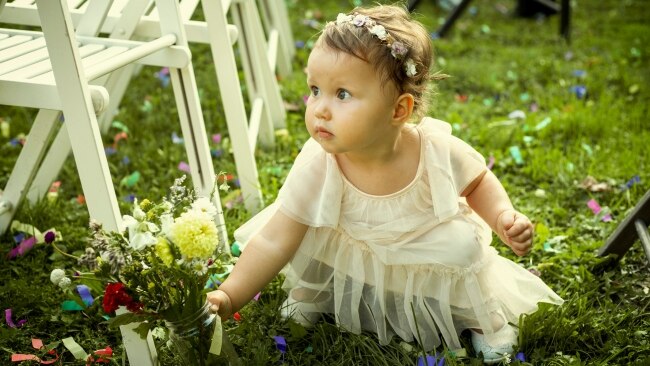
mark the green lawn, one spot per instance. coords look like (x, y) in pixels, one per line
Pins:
(499, 63)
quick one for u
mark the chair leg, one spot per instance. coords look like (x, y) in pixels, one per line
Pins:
(29, 160)
(80, 118)
(260, 78)
(191, 116)
(233, 104)
(196, 140)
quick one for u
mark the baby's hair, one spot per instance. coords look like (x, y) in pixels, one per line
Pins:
(363, 44)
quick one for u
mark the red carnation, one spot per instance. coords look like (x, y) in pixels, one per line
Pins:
(114, 296)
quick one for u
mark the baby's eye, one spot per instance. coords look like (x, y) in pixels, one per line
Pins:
(315, 91)
(343, 94)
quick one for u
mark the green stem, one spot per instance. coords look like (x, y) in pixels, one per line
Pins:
(64, 253)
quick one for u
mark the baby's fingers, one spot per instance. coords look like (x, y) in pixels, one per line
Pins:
(521, 226)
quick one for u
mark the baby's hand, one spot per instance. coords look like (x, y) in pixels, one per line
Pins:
(516, 230)
(220, 303)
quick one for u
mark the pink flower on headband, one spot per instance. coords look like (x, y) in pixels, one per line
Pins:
(361, 20)
(398, 49)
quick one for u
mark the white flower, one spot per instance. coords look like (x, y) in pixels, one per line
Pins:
(65, 282)
(204, 204)
(409, 67)
(140, 232)
(166, 206)
(57, 275)
(507, 360)
(166, 221)
(379, 31)
(200, 267)
(343, 18)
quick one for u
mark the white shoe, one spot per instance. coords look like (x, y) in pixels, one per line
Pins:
(504, 341)
(305, 314)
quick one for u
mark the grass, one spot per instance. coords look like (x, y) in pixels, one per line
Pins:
(499, 63)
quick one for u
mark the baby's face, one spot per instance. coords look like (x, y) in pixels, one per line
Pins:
(348, 108)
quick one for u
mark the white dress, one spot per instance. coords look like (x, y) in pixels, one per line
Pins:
(417, 256)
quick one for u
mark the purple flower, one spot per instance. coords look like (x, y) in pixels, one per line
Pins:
(49, 237)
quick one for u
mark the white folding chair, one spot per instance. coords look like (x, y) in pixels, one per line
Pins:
(50, 70)
(278, 33)
(267, 108)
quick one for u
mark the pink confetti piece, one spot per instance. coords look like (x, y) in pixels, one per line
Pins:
(184, 167)
(25, 246)
(37, 344)
(594, 206)
(596, 209)
(257, 296)
(216, 138)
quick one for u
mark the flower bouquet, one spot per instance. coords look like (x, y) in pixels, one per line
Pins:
(160, 267)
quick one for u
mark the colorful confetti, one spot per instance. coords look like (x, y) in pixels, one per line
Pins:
(596, 209)
(280, 344)
(176, 139)
(543, 123)
(516, 154)
(10, 322)
(131, 180)
(636, 179)
(184, 167)
(36, 344)
(431, 360)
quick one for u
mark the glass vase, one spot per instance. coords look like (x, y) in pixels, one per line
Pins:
(191, 336)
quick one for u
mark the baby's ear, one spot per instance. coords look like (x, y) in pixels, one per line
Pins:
(403, 108)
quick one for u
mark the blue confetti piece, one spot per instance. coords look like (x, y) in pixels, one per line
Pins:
(520, 356)
(280, 344)
(84, 292)
(579, 73)
(213, 281)
(18, 238)
(216, 153)
(130, 198)
(636, 179)
(14, 142)
(126, 160)
(300, 44)
(431, 360)
(109, 151)
(579, 90)
(434, 35)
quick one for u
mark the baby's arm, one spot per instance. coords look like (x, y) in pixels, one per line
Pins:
(489, 199)
(263, 258)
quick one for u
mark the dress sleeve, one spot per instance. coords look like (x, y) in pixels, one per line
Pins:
(466, 163)
(312, 192)
(461, 161)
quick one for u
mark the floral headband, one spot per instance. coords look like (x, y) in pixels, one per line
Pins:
(397, 49)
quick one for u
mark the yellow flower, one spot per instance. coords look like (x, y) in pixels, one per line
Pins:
(163, 251)
(144, 204)
(195, 234)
